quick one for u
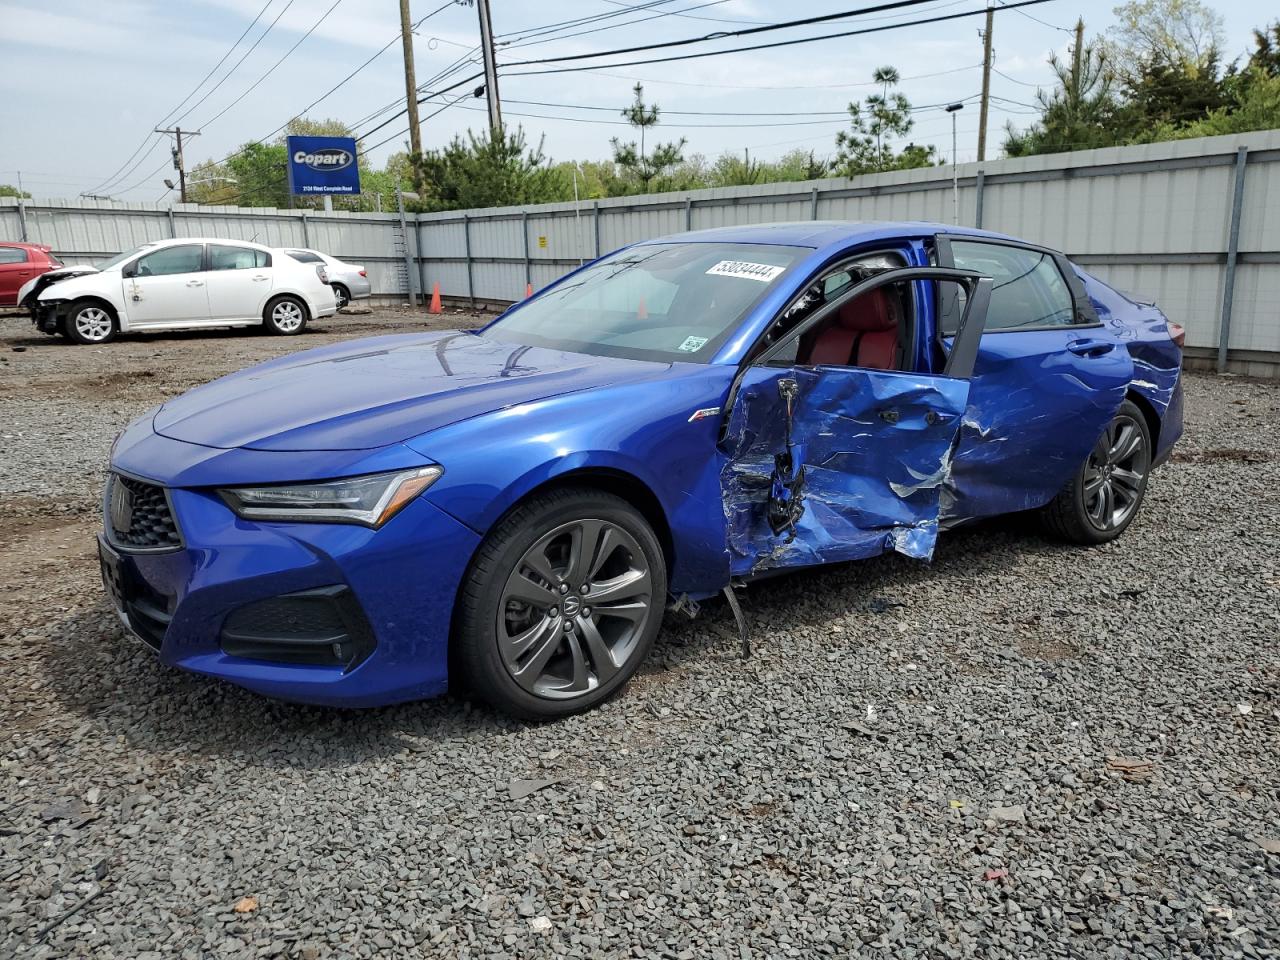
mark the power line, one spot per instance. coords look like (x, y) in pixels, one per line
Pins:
(226, 76)
(528, 32)
(765, 46)
(726, 34)
(165, 118)
(1044, 23)
(619, 3)
(842, 114)
(818, 86)
(1016, 80)
(612, 26)
(272, 68)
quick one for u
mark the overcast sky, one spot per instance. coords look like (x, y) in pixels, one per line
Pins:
(84, 81)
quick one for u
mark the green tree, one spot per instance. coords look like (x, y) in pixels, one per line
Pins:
(1266, 53)
(1163, 90)
(1082, 112)
(487, 172)
(8, 190)
(1254, 105)
(862, 149)
(635, 162)
(1182, 32)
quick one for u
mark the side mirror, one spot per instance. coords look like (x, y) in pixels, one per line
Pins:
(130, 270)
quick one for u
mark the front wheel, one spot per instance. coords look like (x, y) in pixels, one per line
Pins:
(90, 322)
(1104, 496)
(285, 316)
(561, 604)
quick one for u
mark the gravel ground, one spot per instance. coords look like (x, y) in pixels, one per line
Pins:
(1021, 750)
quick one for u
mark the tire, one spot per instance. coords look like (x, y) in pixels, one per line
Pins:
(285, 316)
(90, 322)
(519, 646)
(1104, 496)
(342, 295)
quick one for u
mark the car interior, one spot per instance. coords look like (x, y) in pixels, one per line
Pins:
(873, 331)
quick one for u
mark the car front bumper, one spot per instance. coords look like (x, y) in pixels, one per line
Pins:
(398, 582)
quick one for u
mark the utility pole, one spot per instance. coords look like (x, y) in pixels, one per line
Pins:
(1077, 62)
(410, 82)
(986, 85)
(953, 109)
(178, 164)
(490, 71)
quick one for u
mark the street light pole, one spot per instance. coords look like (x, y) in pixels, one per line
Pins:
(953, 109)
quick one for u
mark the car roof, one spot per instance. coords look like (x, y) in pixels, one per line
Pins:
(42, 247)
(821, 234)
(223, 240)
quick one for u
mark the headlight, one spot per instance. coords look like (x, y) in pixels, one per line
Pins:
(371, 500)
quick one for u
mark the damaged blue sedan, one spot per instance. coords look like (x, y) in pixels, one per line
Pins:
(513, 509)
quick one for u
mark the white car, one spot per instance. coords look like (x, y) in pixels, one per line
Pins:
(180, 285)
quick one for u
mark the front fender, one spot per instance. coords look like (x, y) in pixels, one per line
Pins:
(641, 430)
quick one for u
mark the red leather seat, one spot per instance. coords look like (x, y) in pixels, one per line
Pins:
(863, 334)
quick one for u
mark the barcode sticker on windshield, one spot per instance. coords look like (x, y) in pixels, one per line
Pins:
(764, 272)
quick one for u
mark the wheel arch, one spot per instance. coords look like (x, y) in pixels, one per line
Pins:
(287, 294)
(95, 299)
(626, 486)
(1148, 414)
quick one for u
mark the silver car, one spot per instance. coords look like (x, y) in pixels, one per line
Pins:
(349, 280)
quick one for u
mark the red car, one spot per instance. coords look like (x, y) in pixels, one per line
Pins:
(19, 262)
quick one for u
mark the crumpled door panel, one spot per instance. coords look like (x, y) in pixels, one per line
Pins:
(870, 449)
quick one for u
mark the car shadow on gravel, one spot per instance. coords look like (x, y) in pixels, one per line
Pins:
(118, 685)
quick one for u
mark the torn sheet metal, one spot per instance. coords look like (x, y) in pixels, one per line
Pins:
(870, 451)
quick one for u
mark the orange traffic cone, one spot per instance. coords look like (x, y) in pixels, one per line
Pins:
(528, 290)
(435, 299)
(642, 311)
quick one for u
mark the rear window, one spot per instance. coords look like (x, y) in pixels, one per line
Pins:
(305, 256)
(49, 255)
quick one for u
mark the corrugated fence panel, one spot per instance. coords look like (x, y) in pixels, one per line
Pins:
(1152, 219)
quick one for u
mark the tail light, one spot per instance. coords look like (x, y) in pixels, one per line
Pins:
(362, 273)
(1178, 334)
(323, 274)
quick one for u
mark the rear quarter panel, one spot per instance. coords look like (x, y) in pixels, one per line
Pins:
(1157, 361)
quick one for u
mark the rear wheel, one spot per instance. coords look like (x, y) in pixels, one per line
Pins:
(285, 316)
(90, 322)
(1104, 496)
(342, 295)
(561, 604)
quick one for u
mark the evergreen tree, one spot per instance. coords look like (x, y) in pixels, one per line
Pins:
(632, 158)
(862, 149)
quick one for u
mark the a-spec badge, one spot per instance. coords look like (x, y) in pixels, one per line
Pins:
(704, 413)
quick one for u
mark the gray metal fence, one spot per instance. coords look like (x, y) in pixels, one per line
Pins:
(1194, 224)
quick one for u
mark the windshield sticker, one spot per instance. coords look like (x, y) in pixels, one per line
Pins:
(692, 344)
(764, 272)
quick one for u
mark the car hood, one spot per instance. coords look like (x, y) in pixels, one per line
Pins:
(370, 393)
(47, 279)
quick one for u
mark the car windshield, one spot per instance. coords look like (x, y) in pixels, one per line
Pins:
(120, 258)
(659, 301)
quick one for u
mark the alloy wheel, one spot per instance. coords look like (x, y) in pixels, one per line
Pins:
(1115, 474)
(341, 296)
(574, 609)
(287, 316)
(93, 324)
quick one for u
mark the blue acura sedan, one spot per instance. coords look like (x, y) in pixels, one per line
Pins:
(514, 508)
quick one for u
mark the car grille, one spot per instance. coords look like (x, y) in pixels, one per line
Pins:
(138, 515)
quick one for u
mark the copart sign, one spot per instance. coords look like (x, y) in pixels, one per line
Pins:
(323, 165)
